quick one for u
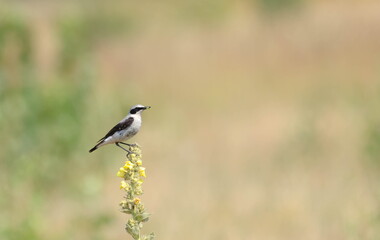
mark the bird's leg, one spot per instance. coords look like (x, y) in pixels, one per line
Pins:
(117, 144)
(129, 145)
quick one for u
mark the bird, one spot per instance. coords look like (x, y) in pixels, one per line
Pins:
(123, 130)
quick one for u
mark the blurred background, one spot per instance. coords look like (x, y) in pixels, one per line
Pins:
(264, 121)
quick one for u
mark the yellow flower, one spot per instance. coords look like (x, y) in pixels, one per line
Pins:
(128, 165)
(124, 185)
(139, 162)
(136, 201)
(142, 171)
(121, 173)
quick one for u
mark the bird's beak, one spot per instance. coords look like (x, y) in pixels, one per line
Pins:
(147, 107)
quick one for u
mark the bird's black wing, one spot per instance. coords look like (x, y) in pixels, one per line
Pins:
(118, 127)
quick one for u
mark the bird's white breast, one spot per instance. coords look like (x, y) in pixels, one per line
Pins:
(127, 133)
(130, 131)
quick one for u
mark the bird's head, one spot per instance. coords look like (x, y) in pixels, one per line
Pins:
(137, 109)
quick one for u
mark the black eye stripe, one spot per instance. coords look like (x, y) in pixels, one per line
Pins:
(136, 109)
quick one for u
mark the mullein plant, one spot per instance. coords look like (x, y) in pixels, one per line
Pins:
(133, 174)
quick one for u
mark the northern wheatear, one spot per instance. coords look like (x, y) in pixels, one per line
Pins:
(124, 130)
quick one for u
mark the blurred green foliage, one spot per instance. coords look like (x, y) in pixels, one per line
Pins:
(277, 6)
(203, 12)
(79, 33)
(13, 28)
(41, 123)
(372, 133)
(33, 147)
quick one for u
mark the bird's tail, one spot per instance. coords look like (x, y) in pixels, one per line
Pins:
(97, 145)
(94, 148)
